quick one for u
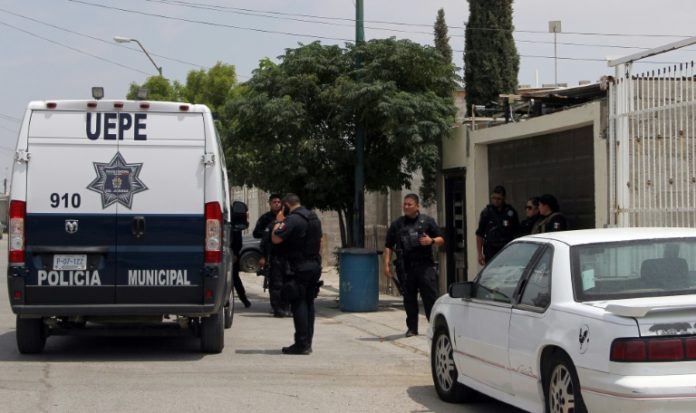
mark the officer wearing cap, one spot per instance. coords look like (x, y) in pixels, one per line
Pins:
(498, 225)
(552, 219)
(412, 236)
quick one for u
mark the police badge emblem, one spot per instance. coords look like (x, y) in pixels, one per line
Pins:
(117, 181)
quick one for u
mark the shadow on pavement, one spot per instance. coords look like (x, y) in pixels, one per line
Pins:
(385, 338)
(265, 352)
(427, 396)
(71, 349)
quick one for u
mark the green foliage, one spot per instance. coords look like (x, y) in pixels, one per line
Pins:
(442, 37)
(293, 124)
(158, 89)
(491, 62)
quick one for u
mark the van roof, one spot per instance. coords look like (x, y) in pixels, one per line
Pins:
(116, 104)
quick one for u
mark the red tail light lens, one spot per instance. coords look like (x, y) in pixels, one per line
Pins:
(653, 349)
(16, 232)
(213, 233)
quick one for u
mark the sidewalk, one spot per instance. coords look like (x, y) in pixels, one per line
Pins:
(387, 324)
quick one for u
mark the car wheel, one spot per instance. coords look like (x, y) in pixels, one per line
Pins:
(31, 336)
(249, 262)
(213, 332)
(444, 369)
(562, 387)
(229, 312)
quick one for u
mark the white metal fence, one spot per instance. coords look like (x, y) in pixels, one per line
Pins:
(652, 148)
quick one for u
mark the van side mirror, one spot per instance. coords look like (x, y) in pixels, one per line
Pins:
(461, 289)
(240, 216)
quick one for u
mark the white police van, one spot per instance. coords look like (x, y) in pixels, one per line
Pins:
(119, 219)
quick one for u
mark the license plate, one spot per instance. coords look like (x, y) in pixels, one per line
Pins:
(70, 262)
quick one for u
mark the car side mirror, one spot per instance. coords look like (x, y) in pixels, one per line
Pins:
(240, 216)
(461, 289)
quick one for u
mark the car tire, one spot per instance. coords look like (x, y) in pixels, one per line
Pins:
(444, 370)
(562, 387)
(31, 335)
(213, 332)
(229, 312)
(249, 261)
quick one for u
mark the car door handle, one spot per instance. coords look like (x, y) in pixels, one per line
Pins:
(138, 227)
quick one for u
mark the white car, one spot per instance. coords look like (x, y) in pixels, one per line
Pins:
(597, 320)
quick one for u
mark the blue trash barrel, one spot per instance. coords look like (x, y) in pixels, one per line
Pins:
(359, 282)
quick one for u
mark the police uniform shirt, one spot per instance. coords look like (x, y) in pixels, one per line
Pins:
(498, 227)
(263, 228)
(557, 222)
(422, 223)
(291, 231)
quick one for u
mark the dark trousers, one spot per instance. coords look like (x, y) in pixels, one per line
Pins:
(275, 286)
(303, 316)
(420, 277)
(237, 282)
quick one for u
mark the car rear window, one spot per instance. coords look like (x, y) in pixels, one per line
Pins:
(645, 268)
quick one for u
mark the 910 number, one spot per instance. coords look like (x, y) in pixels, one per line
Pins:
(68, 200)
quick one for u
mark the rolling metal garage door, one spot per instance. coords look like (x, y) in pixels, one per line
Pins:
(560, 164)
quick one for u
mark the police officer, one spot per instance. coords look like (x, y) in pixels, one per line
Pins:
(274, 272)
(412, 237)
(297, 234)
(551, 217)
(498, 225)
(532, 216)
(236, 280)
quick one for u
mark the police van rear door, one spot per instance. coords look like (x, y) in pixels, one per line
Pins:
(70, 234)
(160, 230)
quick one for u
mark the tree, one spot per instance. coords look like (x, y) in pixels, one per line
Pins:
(213, 88)
(441, 36)
(293, 124)
(491, 62)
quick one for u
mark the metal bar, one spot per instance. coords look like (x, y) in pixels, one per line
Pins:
(652, 52)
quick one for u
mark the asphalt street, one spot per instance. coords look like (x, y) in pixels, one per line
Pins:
(361, 363)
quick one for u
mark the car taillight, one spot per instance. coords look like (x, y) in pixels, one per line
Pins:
(213, 233)
(653, 349)
(16, 232)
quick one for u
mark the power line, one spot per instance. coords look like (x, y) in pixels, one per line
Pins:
(10, 118)
(229, 26)
(210, 6)
(74, 48)
(109, 42)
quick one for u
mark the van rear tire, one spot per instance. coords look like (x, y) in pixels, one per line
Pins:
(31, 335)
(229, 312)
(213, 332)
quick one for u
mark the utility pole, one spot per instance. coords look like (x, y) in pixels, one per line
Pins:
(359, 198)
(555, 28)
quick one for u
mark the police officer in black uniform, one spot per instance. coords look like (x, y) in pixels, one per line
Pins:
(269, 261)
(498, 225)
(412, 237)
(297, 234)
(532, 216)
(551, 219)
(236, 244)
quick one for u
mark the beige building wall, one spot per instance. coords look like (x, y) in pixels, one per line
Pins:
(469, 149)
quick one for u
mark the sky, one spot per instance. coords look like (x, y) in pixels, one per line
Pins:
(59, 49)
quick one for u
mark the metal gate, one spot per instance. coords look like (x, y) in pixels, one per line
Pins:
(652, 147)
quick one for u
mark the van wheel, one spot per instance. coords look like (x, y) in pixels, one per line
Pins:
(31, 336)
(229, 312)
(444, 370)
(213, 332)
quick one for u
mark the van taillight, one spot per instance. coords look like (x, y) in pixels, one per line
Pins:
(16, 232)
(653, 349)
(213, 233)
